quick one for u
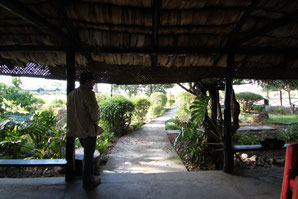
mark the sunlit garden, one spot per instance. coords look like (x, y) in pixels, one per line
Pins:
(33, 125)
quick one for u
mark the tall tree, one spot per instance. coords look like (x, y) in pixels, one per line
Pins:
(148, 89)
(286, 85)
(16, 81)
(213, 124)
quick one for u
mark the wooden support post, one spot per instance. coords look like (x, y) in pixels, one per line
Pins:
(70, 141)
(228, 153)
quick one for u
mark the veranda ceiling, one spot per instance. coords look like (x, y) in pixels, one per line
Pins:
(150, 41)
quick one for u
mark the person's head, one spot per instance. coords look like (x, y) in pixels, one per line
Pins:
(87, 79)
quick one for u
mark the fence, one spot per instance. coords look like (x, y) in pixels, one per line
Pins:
(285, 102)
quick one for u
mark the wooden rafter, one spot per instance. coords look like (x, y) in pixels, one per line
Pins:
(242, 50)
(32, 17)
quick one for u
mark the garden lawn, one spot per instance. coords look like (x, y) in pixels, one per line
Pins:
(283, 119)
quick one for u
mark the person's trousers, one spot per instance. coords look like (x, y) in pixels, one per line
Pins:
(89, 145)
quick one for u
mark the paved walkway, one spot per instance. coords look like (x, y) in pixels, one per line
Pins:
(147, 150)
(144, 166)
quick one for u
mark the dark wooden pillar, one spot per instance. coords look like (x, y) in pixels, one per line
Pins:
(70, 141)
(228, 153)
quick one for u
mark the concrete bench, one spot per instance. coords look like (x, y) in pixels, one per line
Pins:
(79, 156)
(258, 147)
(32, 162)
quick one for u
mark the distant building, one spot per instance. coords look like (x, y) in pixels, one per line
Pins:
(44, 91)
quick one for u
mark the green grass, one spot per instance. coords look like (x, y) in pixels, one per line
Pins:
(244, 117)
(283, 119)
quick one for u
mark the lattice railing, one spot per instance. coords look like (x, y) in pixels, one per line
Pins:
(31, 69)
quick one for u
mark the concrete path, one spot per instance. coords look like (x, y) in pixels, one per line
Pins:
(265, 184)
(144, 166)
(147, 150)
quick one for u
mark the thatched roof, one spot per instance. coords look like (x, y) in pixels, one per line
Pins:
(150, 41)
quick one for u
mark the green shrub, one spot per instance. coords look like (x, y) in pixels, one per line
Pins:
(246, 99)
(289, 135)
(198, 109)
(117, 111)
(57, 103)
(246, 139)
(11, 139)
(171, 100)
(103, 143)
(184, 100)
(172, 125)
(39, 136)
(158, 100)
(280, 111)
(12, 98)
(141, 108)
(101, 97)
(192, 143)
(47, 137)
(136, 125)
(259, 108)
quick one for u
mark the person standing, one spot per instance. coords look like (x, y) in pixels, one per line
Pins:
(82, 122)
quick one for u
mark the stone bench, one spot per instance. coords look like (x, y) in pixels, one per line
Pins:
(79, 156)
(258, 147)
(32, 162)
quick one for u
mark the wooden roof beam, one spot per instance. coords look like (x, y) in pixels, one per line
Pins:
(32, 17)
(242, 50)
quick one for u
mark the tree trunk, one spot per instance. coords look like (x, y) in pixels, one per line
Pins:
(111, 90)
(213, 100)
(290, 102)
(212, 125)
(214, 128)
(280, 97)
(235, 114)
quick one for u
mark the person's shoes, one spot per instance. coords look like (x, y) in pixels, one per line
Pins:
(91, 186)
